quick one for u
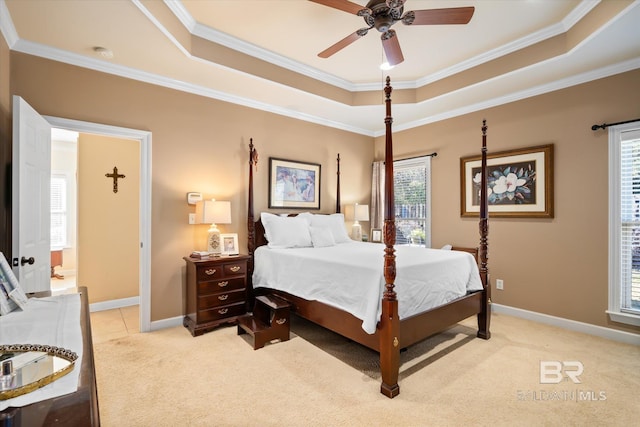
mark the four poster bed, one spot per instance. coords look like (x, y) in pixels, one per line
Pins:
(392, 328)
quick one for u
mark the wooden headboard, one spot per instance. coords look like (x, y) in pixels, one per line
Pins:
(256, 228)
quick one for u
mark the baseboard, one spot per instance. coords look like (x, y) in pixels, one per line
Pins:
(115, 303)
(166, 323)
(586, 328)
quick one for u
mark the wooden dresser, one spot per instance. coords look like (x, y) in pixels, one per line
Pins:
(79, 408)
(216, 292)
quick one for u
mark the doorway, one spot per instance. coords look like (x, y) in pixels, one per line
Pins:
(144, 224)
(64, 208)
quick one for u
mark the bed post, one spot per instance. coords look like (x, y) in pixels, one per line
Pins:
(484, 317)
(389, 321)
(251, 225)
(338, 186)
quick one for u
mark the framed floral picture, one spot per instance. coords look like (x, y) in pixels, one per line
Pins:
(294, 184)
(520, 183)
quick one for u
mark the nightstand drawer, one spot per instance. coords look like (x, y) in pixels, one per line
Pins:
(221, 312)
(208, 272)
(222, 285)
(235, 269)
(225, 298)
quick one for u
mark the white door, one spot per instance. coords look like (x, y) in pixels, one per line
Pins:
(31, 197)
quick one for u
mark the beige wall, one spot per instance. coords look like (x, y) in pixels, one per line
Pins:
(198, 144)
(108, 232)
(554, 266)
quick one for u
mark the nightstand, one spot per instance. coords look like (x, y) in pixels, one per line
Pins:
(216, 292)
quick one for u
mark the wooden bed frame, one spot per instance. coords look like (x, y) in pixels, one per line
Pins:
(392, 334)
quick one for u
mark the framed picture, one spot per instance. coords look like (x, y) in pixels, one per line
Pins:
(229, 244)
(294, 184)
(520, 183)
(376, 235)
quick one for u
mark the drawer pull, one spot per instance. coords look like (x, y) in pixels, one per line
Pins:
(210, 271)
(235, 268)
(223, 297)
(223, 310)
(281, 321)
(223, 284)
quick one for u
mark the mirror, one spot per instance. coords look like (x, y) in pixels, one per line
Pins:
(27, 367)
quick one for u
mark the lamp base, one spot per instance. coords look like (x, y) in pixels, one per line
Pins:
(356, 232)
(213, 242)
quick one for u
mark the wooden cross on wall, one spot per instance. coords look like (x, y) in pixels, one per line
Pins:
(115, 175)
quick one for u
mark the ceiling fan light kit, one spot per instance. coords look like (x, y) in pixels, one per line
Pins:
(383, 14)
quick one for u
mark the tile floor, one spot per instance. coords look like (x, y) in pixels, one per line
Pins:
(108, 324)
(111, 324)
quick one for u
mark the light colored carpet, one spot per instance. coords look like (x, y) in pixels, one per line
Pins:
(168, 378)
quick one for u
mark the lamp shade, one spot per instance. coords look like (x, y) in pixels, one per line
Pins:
(362, 212)
(213, 212)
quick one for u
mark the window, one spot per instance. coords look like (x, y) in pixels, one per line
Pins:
(624, 223)
(58, 210)
(412, 192)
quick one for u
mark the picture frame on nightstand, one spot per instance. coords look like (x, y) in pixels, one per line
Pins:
(229, 244)
(376, 235)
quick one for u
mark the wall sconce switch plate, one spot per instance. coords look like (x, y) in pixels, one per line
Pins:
(192, 218)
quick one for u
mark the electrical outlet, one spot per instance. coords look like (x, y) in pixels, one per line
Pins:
(192, 218)
(499, 284)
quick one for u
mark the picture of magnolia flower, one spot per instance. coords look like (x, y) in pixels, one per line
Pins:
(508, 184)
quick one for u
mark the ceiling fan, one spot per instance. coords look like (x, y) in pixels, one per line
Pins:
(382, 14)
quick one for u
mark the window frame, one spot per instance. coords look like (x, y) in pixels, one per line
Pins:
(416, 162)
(616, 136)
(67, 182)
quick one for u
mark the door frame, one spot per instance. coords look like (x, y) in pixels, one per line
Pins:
(144, 138)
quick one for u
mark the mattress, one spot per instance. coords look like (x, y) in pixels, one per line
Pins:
(349, 276)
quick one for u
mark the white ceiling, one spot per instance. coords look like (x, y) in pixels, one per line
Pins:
(158, 42)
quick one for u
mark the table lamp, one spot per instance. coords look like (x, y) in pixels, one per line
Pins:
(213, 212)
(361, 213)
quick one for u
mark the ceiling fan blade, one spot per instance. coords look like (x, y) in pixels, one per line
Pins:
(453, 15)
(391, 47)
(343, 5)
(341, 44)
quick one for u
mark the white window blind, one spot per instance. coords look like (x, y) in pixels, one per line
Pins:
(624, 224)
(412, 193)
(58, 210)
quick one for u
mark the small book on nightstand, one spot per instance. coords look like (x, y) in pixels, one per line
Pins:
(200, 254)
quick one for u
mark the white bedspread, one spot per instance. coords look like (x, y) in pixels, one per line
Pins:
(349, 276)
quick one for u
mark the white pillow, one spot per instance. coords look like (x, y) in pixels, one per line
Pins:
(286, 232)
(335, 222)
(321, 237)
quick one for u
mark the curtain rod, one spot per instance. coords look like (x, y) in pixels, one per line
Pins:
(604, 125)
(415, 157)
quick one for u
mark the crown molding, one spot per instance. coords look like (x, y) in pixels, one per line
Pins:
(564, 83)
